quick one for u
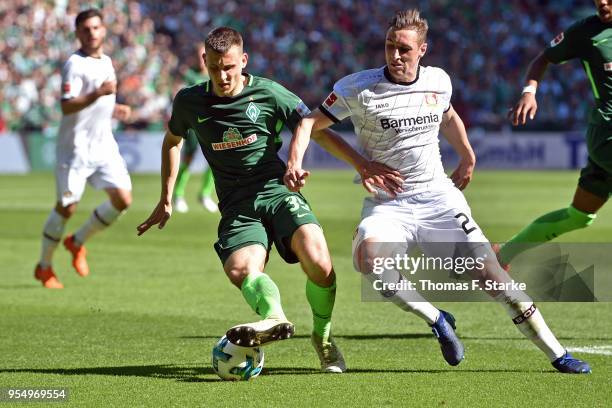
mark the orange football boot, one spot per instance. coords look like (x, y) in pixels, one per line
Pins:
(47, 277)
(79, 253)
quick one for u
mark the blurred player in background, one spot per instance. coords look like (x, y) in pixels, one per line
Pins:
(193, 76)
(397, 111)
(238, 118)
(588, 40)
(86, 149)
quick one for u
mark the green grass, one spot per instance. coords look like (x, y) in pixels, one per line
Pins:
(138, 331)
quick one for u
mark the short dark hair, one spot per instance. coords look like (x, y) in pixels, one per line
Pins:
(221, 39)
(87, 14)
(411, 20)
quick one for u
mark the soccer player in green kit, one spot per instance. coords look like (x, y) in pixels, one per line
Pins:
(237, 118)
(194, 76)
(589, 41)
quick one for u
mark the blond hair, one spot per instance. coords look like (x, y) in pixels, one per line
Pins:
(410, 20)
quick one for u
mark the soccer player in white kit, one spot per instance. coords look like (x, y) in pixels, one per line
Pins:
(397, 111)
(86, 150)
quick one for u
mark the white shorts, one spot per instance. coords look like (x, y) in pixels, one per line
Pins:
(71, 176)
(439, 217)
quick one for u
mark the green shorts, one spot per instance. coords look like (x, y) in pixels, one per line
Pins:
(268, 213)
(596, 177)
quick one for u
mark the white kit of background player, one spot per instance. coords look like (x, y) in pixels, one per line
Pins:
(86, 150)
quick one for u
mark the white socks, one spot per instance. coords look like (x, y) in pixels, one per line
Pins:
(103, 216)
(407, 300)
(52, 234)
(530, 322)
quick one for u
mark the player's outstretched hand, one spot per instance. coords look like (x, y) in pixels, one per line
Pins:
(377, 175)
(462, 175)
(526, 106)
(295, 179)
(160, 215)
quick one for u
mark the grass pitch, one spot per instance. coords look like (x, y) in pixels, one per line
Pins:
(138, 331)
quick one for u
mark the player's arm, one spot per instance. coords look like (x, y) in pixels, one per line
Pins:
(80, 102)
(295, 176)
(171, 156)
(372, 173)
(453, 129)
(527, 105)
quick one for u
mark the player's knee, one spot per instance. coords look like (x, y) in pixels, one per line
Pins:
(122, 200)
(66, 211)
(317, 264)
(364, 260)
(309, 245)
(237, 274)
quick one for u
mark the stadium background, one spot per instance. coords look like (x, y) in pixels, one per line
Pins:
(134, 334)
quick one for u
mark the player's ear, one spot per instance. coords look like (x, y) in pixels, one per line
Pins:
(422, 49)
(244, 60)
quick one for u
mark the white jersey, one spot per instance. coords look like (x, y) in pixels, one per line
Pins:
(397, 123)
(86, 136)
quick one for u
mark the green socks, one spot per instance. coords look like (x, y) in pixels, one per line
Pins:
(208, 183)
(545, 228)
(206, 189)
(181, 180)
(321, 302)
(261, 293)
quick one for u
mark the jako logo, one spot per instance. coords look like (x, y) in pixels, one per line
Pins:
(403, 122)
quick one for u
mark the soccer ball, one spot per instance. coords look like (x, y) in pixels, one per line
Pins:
(232, 362)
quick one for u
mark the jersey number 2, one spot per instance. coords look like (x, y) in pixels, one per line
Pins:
(465, 222)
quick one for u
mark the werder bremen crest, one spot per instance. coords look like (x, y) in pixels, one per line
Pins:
(253, 112)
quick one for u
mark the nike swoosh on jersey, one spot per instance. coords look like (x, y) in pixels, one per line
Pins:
(202, 120)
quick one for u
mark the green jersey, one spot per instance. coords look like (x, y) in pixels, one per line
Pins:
(590, 40)
(239, 135)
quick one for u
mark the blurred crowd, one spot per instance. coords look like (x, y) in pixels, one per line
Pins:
(305, 45)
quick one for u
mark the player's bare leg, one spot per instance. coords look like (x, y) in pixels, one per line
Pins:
(244, 268)
(101, 218)
(308, 243)
(442, 323)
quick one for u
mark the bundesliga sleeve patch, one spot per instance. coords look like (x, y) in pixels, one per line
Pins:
(302, 109)
(557, 40)
(330, 100)
(66, 87)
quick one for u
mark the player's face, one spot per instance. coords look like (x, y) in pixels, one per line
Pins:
(91, 34)
(225, 70)
(403, 52)
(604, 10)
